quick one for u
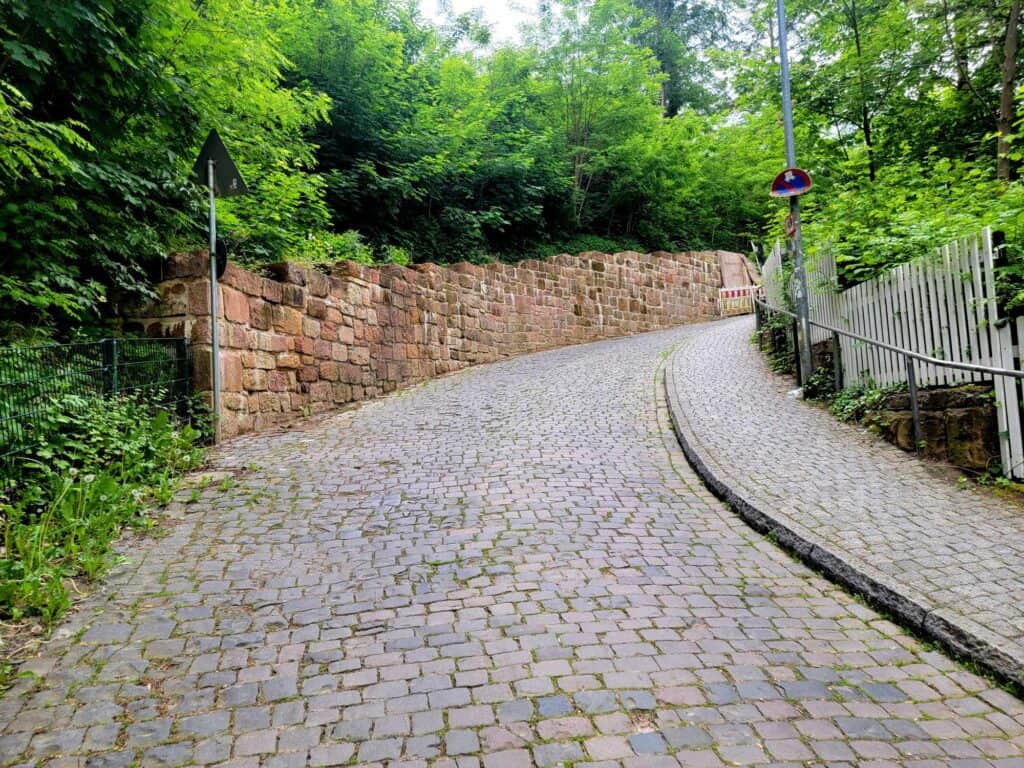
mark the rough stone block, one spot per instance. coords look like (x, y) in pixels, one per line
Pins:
(261, 316)
(231, 372)
(286, 272)
(234, 305)
(287, 320)
(972, 437)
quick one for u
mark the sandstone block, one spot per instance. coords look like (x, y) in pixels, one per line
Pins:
(287, 320)
(254, 380)
(293, 295)
(279, 381)
(231, 372)
(261, 315)
(318, 283)
(288, 360)
(286, 272)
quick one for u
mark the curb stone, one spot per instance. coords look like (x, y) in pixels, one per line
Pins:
(913, 612)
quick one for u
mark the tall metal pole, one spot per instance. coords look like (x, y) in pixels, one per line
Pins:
(214, 331)
(797, 246)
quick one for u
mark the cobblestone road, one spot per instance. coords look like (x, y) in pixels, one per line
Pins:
(506, 568)
(957, 553)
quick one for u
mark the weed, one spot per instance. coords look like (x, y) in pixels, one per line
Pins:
(854, 403)
(88, 467)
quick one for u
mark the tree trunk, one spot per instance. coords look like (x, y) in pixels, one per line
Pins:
(865, 111)
(1008, 93)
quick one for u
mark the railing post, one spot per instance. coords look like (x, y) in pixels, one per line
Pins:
(111, 385)
(915, 411)
(837, 362)
(796, 353)
(184, 376)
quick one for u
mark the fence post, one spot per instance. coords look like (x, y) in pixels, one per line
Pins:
(796, 353)
(181, 356)
(837, 362)
(914, 409)
(111, 385)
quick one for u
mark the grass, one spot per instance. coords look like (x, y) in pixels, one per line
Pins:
(92, 466)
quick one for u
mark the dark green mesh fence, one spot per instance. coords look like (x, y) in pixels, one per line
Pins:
(31, 378)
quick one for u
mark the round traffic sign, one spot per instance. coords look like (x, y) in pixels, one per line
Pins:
(790, 183)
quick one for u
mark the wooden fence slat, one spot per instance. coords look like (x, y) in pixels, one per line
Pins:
(891, 308)
(939, 325)
(871, 331)
(924, 324)
(916, 331)
(970, 317)
(953, 308)
(900, 333)
(850, 311)
(885, 320)
(857, 297)
(1008, 410)
(984, 339)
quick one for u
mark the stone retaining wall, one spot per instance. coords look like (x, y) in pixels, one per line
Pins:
(958, 425)
(303, 341)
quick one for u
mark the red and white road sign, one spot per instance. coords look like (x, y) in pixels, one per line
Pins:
(791, 182)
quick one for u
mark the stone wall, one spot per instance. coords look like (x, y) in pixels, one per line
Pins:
(958, 425)
(302, 341)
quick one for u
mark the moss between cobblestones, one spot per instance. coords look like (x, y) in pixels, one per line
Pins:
(976, 653)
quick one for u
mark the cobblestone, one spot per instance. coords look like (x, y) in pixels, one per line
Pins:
(506, 568)
(947, 560)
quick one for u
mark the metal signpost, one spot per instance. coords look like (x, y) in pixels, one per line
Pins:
(216, 170)
(792, 183)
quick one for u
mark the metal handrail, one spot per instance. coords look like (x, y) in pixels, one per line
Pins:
(900, 351)
(908, 357)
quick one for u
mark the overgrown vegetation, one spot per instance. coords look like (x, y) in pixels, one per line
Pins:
(857, 402)
(87, 466)
(90, 435)
(775, 338)
(907, 115)
(366, 131)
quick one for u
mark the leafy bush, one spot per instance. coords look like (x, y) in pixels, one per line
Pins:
(583, 243)
(392, 254)
(911, 209)
(325, 249)
(775, 337)
(854, 403)
(89, 467)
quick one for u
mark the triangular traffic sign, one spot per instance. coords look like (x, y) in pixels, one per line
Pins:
(227, 181)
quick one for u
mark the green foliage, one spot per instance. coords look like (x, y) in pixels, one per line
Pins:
(897, 121)
(88, 467)
(515, 151)
(821, 385)
(854, 403)
(775, 338)
(365, 132)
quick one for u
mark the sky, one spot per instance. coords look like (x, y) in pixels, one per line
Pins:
(505, 16)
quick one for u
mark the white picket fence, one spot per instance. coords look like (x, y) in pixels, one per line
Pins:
(942, 305)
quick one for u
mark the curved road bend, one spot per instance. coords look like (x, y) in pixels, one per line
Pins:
(512, 566)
